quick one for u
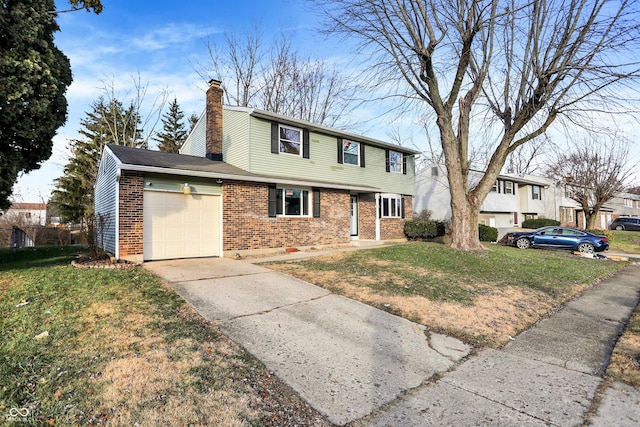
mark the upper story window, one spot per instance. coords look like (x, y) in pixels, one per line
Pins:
(495, 187)
(536, 192)
(287, 139)
(508, 187)
(290, 140)
(396, 162)
(351, 152)
(628, 203)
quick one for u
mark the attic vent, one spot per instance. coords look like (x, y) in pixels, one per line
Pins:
(434, 171)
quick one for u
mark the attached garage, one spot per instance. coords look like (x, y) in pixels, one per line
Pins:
(178, 225)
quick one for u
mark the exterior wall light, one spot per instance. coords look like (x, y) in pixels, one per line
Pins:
(186, 189)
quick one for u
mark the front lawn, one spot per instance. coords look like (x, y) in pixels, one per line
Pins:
(625, 241)
(103, 346)
(479, 298)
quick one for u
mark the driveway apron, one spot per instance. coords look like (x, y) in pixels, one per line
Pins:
(346, 359)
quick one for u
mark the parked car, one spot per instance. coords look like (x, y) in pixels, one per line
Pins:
(625, 223)
(559, 238)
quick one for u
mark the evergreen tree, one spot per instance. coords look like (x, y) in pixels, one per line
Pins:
(173, 132)
(34, 76)
(107, 123)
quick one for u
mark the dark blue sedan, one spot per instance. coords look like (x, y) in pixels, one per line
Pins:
(559, 238)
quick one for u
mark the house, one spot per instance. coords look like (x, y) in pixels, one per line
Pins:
(250, 181)
(517, 197)
(27, 213)
(512, 199)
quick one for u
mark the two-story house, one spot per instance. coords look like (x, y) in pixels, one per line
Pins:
(248, 181)
(512, 199)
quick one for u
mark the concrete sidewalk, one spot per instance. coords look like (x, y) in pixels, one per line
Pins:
(360, 365)
(345, 358)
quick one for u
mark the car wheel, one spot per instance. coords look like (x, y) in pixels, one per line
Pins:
(619, 227)
(586, 248)
(523, 243)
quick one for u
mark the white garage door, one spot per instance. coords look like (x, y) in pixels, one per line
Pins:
(180, 226)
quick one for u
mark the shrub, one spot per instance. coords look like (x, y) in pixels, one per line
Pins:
(423, 228)
(487, 233)
(539, 222)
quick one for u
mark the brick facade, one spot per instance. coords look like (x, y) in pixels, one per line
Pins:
(390, 228)
(131, 215)
(247, 225)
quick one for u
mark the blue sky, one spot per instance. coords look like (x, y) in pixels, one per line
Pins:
(164, 43)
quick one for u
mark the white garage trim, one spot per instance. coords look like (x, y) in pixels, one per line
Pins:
(176, 225)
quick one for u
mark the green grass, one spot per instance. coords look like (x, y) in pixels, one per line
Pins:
(440, 273)
(120, 345)
(625, 241)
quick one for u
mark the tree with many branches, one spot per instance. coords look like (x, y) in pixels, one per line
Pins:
(34, 76)
(515, 66)
(593, 171)
(173, 133)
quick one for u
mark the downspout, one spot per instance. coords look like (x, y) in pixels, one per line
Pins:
(377, 216)
(117, 219)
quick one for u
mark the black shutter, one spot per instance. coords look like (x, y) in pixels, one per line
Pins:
(401, 207)
(361, 155)
(273, 201)
(316, 203)
(340, 151)
(275, 138)
(404, 164)
(388, 161)
(305, 143)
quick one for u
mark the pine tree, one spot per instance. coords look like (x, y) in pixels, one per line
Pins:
(107, 123)
(173, 132)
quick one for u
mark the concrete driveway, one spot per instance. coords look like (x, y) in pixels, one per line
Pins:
(346, 359)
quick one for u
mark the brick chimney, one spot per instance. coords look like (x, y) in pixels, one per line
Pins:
(214, 121)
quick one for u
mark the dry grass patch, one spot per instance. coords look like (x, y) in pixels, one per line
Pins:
(625, 360)
(483, 300)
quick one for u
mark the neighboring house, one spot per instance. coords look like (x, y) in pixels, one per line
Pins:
(516, 198)
(27, 214)
(511, 200)
(625, 204)
(248, 181)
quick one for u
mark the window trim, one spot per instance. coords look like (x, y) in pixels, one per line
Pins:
(511, 190)
(280, 140)
(534, 193)
(402, 162)
(277, 202)
(398, 206)
(344, 152)
(275, 140)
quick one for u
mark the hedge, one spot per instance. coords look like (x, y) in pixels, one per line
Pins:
(487, 233)
(423, 228)
(539, 222)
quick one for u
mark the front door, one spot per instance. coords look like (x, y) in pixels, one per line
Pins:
(354, 215)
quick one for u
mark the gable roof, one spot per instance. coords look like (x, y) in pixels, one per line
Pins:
(151, 161)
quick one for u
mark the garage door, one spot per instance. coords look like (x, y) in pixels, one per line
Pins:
(180, 226)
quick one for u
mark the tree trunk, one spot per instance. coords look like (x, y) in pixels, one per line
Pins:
(464, 224)
(590, 219)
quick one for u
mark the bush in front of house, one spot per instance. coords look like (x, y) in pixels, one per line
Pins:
(487, 233)
(423, 228)
(539, 222)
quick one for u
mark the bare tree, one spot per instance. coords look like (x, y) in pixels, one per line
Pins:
(526, 158)
(522, 64)
(135, 124)
(594, 170)
(274, 77)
